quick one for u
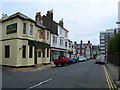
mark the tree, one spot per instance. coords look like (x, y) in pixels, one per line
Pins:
(114, 45)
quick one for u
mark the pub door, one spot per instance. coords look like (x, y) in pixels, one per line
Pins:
(35, 55)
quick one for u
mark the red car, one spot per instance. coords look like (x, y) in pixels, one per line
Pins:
(62, 60)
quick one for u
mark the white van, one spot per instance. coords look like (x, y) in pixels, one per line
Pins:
(100, 59)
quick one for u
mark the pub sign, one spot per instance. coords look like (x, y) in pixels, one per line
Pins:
(41, 34)
(11, 28)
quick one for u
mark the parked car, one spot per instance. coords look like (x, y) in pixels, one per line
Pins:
(100, 59)
(82, 58)
(62, 60)
(72, 60)
(87, 58)
(92, 58)
(76, 60)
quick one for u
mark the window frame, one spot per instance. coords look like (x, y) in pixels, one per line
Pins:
(30, 51)
(23, 53)
(24, 28)
(7, 49)
(31, 30)
(43, 52)
(39, 53)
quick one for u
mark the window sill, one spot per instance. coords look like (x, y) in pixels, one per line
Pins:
(30, 36)
(25, 35)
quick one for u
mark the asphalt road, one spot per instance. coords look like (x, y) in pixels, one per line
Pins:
(81, 75)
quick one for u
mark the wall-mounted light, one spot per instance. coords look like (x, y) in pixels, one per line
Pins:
(20, 48)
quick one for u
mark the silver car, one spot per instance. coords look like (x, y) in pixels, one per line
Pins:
(100, 59)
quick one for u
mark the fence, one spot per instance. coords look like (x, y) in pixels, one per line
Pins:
(114, 58)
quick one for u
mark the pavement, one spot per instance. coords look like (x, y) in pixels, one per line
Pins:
(29, 69)
(114, 73)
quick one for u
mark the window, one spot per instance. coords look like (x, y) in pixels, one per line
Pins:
(47, 52)
(7, 51)
(65, 34)
(61, 42)
(47, 35)
(30, 52)
(54, 39)
(69, 45)
(43, 52)
(24, 28)
(65, 44)
(24, 51)
(60, 31)
(31, 29)
(39, 53)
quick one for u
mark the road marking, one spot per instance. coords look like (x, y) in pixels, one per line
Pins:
(108, 79)
(39, 84)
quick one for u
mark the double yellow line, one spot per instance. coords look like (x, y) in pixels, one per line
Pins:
(108, 79)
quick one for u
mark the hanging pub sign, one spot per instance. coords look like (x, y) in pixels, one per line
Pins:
(11, 28)
(41, 33)
(38, 44)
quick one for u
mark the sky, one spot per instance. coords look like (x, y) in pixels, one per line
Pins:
(83, 18)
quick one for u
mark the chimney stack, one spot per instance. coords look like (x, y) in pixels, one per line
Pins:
(50, 14)
(81, 42)
(88, 42)
(38, 17)
(61, 22)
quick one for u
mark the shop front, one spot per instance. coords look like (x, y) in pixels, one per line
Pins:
(41, 52)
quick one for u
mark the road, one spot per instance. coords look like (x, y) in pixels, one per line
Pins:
(81, 75)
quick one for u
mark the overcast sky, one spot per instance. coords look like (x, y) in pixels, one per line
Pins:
(83, 18)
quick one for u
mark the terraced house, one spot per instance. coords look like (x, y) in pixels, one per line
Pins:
(25, 42)
(59, 35)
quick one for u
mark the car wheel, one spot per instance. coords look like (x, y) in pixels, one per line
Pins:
(56, 65)
(71, 62)
(62, 64)
(65, 63)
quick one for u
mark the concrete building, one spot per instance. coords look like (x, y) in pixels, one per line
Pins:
(118, 17)
(105, 38)
(102, 42)
(25, 42)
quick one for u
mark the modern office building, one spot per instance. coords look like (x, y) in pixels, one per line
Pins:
(105, 38)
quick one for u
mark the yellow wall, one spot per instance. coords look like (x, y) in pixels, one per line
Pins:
(16, 53)
(12, 61)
